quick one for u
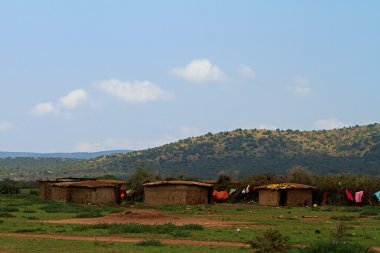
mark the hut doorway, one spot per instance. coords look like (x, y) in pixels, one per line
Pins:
(283, 197)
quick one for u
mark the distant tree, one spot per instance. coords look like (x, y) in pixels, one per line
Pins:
(299, 174)
(223, 178)
(107, 176)
(141, 175)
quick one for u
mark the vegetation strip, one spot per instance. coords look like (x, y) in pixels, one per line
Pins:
(125, 239)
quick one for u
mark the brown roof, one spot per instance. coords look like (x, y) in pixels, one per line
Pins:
(92, 183)
(177, 183)
(66, 179)
(285, 186)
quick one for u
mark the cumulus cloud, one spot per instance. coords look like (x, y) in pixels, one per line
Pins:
(133, 91)
(328, 124)
(74, 98)
(201, 70)
(5, 126)
(246, 72)
(60, 108)
(301, 87)
(47, 108)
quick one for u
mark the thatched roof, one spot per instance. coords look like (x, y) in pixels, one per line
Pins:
(285, 186)
(177, 183)
(91, 183)
(65, 179)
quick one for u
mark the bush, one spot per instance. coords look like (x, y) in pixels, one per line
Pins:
(9, 187)
(336, 247)
(33, 192)
(7, 215)
(150, 242)
(271, 241)
(141, 175)
(299, 175)
(343, 217)
(341, 233)
(89, 215)
(9, 209)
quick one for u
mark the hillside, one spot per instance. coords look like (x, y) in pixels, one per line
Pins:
(354, 149)
(242, 152)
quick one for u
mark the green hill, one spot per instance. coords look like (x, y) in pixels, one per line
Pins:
(353, 149)
(242, 152)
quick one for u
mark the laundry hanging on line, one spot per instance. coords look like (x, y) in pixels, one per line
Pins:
(349, 195)
(359, 196)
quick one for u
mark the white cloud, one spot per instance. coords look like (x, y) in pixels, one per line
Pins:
(74, 98)
(200, 71)
(301, 87)
(246, 72)
(44, 109)
(5, 126)
(133, 91)
(328, 124)
(186, 131)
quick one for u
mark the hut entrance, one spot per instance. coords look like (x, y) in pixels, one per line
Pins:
(283, 197)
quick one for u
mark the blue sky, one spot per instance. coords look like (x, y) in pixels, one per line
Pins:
(100, 75)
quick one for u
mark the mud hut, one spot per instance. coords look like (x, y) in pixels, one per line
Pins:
(177, 193)
(45, 185)
(88, 192)
(285, 194)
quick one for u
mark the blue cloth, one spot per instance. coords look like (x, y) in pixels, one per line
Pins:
(378, 195)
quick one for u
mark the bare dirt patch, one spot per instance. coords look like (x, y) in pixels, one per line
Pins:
(150, 217)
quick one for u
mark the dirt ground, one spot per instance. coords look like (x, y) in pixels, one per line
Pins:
(151, 217)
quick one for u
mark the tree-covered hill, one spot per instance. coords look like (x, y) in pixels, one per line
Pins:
(242, 152)
(353, 149)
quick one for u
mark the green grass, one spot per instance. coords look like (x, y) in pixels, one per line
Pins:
(23, 245)
(301, 231)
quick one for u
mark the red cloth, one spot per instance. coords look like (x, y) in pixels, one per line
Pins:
(220, 195)
(349, 195)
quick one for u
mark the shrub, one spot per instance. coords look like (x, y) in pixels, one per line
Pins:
(7, 215)
(300, 175)
(341, 233)
(192, 227)
(271, 241)
(89, 215)
(336, 247)
(343, 217)
(369, 212)
(141, 175)
(33, 192)
(9, 209)
(9, 187)
(150, 242)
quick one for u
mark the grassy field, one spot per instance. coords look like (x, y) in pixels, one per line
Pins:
(304, 226)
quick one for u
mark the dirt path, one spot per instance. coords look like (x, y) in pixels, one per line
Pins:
(376, 248)
(124, 239)
(151, 217)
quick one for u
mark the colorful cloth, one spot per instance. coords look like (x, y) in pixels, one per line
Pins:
(349, 195)
(232, 190)
(220, 195)
(377, 194)
(359, 196)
